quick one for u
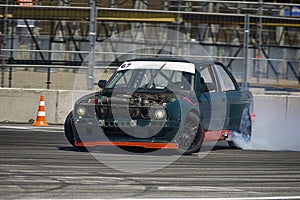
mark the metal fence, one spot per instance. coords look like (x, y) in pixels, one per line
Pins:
(51, 39)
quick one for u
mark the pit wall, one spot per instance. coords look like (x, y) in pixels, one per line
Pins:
(21, 106)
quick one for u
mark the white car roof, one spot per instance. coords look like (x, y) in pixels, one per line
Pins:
(169, 65)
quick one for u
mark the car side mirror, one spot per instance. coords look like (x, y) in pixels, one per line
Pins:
(102, 83)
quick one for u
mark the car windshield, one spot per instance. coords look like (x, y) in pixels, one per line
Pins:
(152, 79)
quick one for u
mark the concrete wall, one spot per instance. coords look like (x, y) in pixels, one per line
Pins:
(277, 112)
(21, 106)
(277, 123)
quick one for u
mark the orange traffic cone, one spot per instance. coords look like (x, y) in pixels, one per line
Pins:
(41, 116)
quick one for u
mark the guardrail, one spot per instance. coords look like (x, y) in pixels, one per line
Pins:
(277, 70)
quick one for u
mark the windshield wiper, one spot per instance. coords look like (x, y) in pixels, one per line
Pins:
(153, 77)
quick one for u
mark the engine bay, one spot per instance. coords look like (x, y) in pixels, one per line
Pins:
(139, 105)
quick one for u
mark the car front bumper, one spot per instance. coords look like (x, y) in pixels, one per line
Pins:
(156, 134)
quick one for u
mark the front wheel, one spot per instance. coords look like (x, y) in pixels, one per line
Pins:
(191, 138)
(69, 131)
(245, 130)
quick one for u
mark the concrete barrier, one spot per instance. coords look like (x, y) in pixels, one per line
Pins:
(277, 122)
(277, 112)
(270, 110)
(21, 105)
(293, 113)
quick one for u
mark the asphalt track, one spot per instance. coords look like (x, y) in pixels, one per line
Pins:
(38, 163)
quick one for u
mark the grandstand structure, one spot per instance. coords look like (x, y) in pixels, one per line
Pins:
(61, 33)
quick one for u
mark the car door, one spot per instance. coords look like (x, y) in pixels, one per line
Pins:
(212, 101)
(235, 99)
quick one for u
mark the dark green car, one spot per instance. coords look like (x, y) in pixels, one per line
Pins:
(162, 103)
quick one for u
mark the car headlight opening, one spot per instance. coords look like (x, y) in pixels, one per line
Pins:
(81, 110)
(160, 113)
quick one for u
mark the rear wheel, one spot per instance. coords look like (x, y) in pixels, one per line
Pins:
(192, 135)
(245, 129)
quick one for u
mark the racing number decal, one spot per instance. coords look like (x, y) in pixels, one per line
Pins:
(125, 65)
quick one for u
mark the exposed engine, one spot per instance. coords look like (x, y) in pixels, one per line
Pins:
(135, 106)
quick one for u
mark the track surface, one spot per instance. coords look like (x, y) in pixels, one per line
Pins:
(38, 163)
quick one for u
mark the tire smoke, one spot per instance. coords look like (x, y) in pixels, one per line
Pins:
(276, 127)
(240, 140)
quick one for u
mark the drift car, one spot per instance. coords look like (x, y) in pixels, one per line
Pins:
(162, 103)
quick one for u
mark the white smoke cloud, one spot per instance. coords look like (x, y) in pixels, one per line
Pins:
(277, 124)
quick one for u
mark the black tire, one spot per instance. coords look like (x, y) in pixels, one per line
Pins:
(245, 129)
(69, 131)
(191, 138)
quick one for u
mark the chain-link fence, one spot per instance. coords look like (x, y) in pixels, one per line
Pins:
(46, 41)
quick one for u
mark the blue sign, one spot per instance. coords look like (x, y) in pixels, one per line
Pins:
(294, 12)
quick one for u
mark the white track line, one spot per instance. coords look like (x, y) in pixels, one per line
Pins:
(35, 128)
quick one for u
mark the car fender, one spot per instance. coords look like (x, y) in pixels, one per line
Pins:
(179, 109)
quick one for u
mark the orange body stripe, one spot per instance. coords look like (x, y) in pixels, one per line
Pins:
(208, 136)
(148, 145)
(216, 135)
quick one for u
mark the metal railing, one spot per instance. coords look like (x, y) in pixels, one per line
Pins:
(215, 24)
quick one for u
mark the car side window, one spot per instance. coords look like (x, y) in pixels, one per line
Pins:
(207, 81)
(225, 81)
(124, 79)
